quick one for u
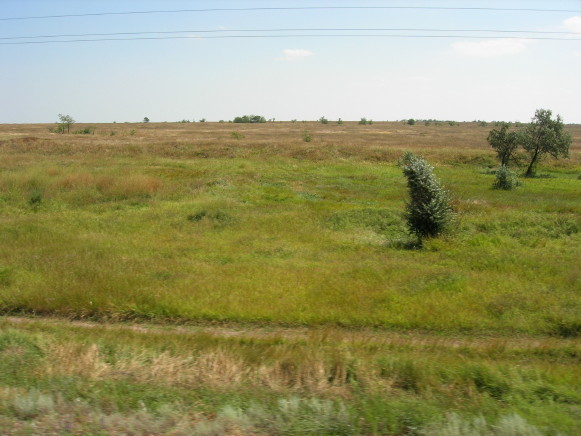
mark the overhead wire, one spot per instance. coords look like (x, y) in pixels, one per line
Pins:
(292, 36)
(289, 8)
(380, 29)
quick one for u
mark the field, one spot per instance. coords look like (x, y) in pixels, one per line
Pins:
(219, 278)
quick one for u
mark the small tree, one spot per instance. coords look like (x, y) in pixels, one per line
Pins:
(544, 135)
(145, 120)
(503, 142)
(428, 213)
(323, 120)
(65, 123)
(411, 122)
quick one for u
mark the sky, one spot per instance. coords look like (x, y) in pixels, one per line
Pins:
(486, 77)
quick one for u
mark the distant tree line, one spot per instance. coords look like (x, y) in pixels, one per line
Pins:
(250, 119)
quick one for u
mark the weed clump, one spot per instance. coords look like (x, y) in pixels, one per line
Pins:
(505, 179)
(35, 198)
(219, 217)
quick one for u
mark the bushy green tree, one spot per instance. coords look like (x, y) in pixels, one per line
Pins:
(428, 212)
(65, 123)
(503, 142)
(544, 135)
(323, 120)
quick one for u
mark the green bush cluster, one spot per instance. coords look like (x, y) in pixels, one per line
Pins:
(249, 119)
(505, 179)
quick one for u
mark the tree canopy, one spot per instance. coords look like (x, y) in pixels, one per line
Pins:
(544, 135)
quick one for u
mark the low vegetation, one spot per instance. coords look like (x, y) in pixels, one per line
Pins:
(84, 378)
(278, 280)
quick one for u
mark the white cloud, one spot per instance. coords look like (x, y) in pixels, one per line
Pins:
(295, 54)
(573, 24)
(491, 47)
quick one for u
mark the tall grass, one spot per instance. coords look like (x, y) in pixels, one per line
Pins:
(154, 380)
(289, 233)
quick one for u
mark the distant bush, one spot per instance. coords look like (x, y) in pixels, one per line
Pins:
(35, 198)
(363, 121)
(323, 120)
(236, 135)
(307, 136)
(339, 121)
(428, 213)
(411, 122)
(218, 217)
(505, 179)
(85, 131)
(250, 119)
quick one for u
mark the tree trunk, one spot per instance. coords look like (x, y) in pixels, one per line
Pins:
(529, 171)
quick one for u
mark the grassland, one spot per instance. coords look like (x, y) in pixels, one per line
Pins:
(260, 231)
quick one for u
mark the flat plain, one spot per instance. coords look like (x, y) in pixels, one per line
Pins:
(220, 278)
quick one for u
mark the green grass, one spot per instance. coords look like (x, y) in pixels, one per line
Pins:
(224, 239)
(299, 303)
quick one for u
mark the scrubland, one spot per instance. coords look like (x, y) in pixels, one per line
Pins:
(234, 279)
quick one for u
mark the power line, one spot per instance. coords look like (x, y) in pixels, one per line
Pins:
(290, 8)
(383, 29)
(293, 36)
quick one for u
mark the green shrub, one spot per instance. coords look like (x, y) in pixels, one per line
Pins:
(245, 119)
(505, 179)
(218, 217)
(85, 131)
(35, 198)
(307, 136)
(411, 122)
(323, 120)
(428, 213)
(236, 135)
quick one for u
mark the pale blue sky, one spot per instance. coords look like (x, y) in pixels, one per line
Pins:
(291, 77)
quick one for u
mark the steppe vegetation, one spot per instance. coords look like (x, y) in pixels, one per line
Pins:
(254, 282)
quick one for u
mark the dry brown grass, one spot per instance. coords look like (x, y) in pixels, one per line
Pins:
(464, 143)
